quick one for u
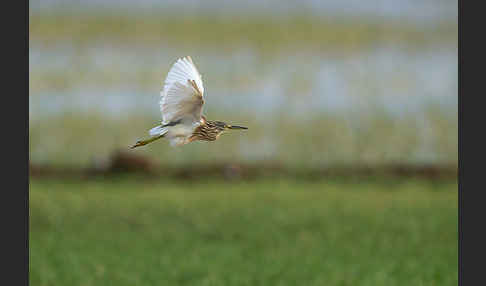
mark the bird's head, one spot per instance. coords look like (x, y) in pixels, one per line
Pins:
(223, 126)
(211, 130)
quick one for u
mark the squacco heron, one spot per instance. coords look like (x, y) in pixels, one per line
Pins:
(181, 105)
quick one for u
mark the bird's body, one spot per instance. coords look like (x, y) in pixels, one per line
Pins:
(181, 106)
(208, 131)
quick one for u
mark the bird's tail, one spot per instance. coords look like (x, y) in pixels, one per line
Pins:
(157, 132)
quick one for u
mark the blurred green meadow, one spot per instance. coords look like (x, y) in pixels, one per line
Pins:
(321, 85)
(123, 231)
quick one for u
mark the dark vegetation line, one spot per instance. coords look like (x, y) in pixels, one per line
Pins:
(123, 163)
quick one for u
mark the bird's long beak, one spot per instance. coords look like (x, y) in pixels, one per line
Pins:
(236, 127)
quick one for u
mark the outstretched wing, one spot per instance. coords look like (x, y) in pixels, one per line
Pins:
(182, 95)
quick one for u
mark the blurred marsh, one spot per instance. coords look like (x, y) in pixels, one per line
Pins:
(314, 91)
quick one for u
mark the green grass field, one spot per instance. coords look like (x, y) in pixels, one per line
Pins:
(269, 232)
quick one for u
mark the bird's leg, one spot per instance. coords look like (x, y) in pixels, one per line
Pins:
(145, 142)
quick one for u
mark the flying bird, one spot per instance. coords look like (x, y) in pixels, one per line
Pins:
(181, 104)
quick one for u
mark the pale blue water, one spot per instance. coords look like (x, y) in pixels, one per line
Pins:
(398, 81)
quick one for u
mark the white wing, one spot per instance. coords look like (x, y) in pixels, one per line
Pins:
(182, 95)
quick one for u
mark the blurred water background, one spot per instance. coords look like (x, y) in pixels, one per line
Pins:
(318, 83)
